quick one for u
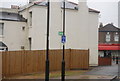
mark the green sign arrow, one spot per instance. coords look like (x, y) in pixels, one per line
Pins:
(60, 33)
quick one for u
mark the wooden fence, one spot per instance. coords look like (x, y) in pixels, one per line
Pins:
(104, 61)
(25, 62)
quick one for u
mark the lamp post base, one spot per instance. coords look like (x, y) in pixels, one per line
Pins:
(47, 71)
(63, 71)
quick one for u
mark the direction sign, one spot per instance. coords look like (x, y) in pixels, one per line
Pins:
(63, 40)
(60, 33)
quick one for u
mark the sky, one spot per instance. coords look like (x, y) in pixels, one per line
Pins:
(108, 8)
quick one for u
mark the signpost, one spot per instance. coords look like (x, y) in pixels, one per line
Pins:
(47, 46)
(47, 42)
(63, 39)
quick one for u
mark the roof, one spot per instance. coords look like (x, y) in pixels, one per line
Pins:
(93, 10)
(109, 28)
(11, 17)
(109, 47)
(69, 5)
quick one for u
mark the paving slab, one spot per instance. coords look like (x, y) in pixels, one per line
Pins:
(104, 70)
(101, 73)
(90, 77)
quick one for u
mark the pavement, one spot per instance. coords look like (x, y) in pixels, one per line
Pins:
(107, 73)
(104, 70)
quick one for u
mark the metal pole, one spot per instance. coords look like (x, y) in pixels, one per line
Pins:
(47, 47)
(63, 56)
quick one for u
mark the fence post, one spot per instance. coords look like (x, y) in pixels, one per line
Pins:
(0, 66)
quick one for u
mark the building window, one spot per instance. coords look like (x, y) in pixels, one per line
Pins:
(30, 18)
(30, 42)
(23, 28)
(116, 37)
(23, 47)
(108, 37)
(1, 28)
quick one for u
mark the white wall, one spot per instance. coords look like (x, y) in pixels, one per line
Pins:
(14, 37)
(39, 21)
(93, 37)
(81, 29)
(76, 26)
(38, 30)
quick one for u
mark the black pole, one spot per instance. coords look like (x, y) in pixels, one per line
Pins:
(63, 56)
(47, 47)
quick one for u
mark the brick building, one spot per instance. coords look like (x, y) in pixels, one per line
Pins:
(109, 40)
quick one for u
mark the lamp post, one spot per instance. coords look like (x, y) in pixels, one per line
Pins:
(63, 56)
(47, 42)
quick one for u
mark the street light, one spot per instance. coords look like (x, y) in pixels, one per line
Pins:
(63, 56)
(47, 41)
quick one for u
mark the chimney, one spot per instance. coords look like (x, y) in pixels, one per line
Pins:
(14, 7)
(101, 25)
(112, 23)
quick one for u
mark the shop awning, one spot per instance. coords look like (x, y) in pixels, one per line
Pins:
(109, 47)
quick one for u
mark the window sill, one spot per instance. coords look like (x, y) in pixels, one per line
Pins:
(30, 26)
(1, 36)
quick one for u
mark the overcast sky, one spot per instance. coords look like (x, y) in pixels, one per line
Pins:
(108, 8)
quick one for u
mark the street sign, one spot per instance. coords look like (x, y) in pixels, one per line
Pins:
(63, 40)
(60, 33)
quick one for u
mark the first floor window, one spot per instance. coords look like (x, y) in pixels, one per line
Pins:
(1, 28)
(30, 19)
(108, 37)
(116, 37)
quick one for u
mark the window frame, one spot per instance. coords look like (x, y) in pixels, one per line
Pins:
(2, 32)
(30, 20)
(108, 37)
(116, 35)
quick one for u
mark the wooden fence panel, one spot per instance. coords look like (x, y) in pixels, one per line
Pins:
(67, 59)
(79, 59)
(55, 60)
(25, 62)
(5, 63)
(15, 63)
